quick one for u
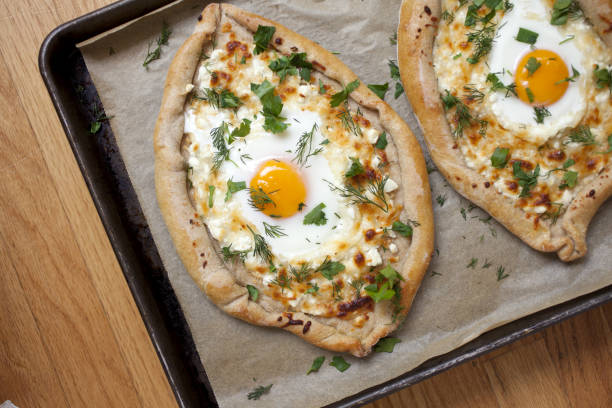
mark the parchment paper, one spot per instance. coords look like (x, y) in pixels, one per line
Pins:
(456, 302)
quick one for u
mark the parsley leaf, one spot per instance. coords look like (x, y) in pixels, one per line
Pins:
(242, 131)
(540, 113)
(381, 142)
(234, 187)
(562, 10)
(316, 364)
(377, 294)
(386, 345)
(569, 179)
(499, 158)
(532, 66)
(329, 269)
(527, 36)
(284, 66)
(355, 169)
(253, 292)
(393, 70)
(603, 77)
(262, 38)
(341, 96)
(402, 229)
(526, 180)
(379, 90)
(272, 107)
(339, 363)
(316, 216)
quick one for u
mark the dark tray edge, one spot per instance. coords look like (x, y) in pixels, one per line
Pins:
(126, 10)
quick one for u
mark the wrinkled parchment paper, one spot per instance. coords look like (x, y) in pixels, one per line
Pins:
(456, 302)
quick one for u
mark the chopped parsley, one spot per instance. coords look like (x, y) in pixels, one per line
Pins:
(564, 9)
(386, 345)
(316, 364)
(526, 180)
(603, 77)
(530, 95)
(355, 169)
(569, 179)
(234, 187)
(609, 145)
(290, 65)
(241, 131)
(527, 36)
(379, 90)
(261, 390)
(387, 278)
(272, 107)
(395, 75)
(262, 38)
(253, 293)
(404, 230)
(381, 142)
(316, 216)
(498, 85)
(532, 66)
(329, 268)
(211, 196)
(220, 98)
(473, 263)
(342, 96)
(339, 363)
(499, 158)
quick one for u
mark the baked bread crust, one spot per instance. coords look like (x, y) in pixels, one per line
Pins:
(416, 36)
(197, 248)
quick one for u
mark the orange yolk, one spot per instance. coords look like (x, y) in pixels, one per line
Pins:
(546, 83)
(283, 186)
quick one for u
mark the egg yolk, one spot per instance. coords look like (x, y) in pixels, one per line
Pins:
(277, 189)
(541, 85)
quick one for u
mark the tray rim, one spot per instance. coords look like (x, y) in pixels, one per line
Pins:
(123, 11)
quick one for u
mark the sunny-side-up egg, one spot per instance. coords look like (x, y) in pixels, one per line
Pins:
(541, 72)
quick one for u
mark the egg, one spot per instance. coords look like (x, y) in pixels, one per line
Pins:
(556, 60)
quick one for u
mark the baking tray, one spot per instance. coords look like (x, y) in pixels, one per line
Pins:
(77, 103)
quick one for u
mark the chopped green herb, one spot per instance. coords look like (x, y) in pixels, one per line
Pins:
(530, 95)
(379, 90)
(290, 65)
(358, 195)
(526, 180)
(260, 247)
(234, 187)
(527, 36)
(498, 85)
(304, 148)
(609, 145)
(316, 364)
(316, 216)
(342, 96)
(499, 159)
(322, 89)
(393, 39)
(575, 74)
(313, 289)
(393, 70)
(569, 179)
(273, 231)
(463, 117)
(161, 40)
(339, 363)
(404, 230)
(272, 107)
(540, 112)
(386, 345)
(501, 273)
(355, 169)
(241, 131)
(258, 198)
(381, 142)
(569, 38)
(399, 89)
(583, 135)
(564, 9)
(329, 268)
(457, 56)
(262, 38)
(532, 66)
(230, 255)
(441, 199)
(211, 196)
(483, 42)
(253, 293)
(472, 263)
(221, 151)
(603, 77)
(261, 390)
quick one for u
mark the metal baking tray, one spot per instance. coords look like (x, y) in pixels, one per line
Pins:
(76, 102)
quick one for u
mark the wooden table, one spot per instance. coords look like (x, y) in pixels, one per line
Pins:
(70, 333)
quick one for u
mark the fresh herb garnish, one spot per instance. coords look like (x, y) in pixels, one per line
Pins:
(262, 38)
(355, 169)
(441, 199)
(258, 198)
(501, 273)
(221, 151)
(304, 148)
(404, 230)
(260, 247)
(540, 112)
(483, 42)
(272, 107)
(472, 263)
(342, 96)
(526, 180)
(241, 131)
(253, 293)
(527, 36)
(472, 94)
(463, 117)
(348, 122)
(447, 16)
(234, 187)
(211, 196)
(530, 95)
(316, 364)
(564, 9)
(386, 345)
(379, 90)
(497, 85)
(301, 274)
(99, 117)
(575, 74)
(316, 216)
(220, 98)
(261, 390)
(381, 142)
(358, 195)
(603, 77)
(499, 158)
(230, 255)
(609, 145)
(322, 89)
(161, 40)
(386, 290)
(569, 38)
(583, 135)
(570, 178)
(290, 65)
(532, 66)
(339, 363)
(273, 231)
(329, 268)
(395, 75)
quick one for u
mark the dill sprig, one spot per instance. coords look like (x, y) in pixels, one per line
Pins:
(260, 247)
(358, 195)
(231, 255)
(273, 231)
(357, 284)
(583, 135)
(161, 40)
(259, 198)
(301, 274)
(218, 141)
(348, 122)
(483, 42)
(304, 148)
(472, 94)
(463, 117)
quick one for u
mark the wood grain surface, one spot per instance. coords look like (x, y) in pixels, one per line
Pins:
(70, 333)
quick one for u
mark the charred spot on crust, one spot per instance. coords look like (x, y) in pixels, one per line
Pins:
(292, 322)
(474, 185)
(427, 10)
(204, 264)
(556, 155)
(355, 304)
(592, 193)
(200, 17)
(280, 319)
(487, 184)
(294, 49)
(278, 41)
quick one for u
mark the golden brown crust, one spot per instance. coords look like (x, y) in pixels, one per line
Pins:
(196, 247)
(416, 35)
